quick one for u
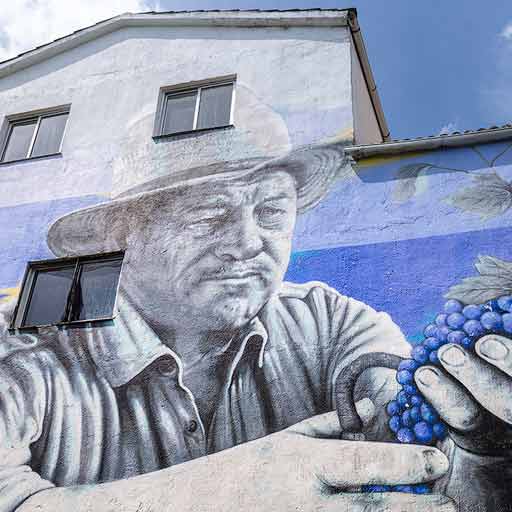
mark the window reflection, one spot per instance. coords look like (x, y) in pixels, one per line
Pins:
(49, 296)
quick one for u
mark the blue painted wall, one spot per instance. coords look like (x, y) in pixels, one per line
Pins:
(390, 235)
(23, 236)
(398, 245)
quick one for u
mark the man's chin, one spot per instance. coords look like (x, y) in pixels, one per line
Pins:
(233, 314)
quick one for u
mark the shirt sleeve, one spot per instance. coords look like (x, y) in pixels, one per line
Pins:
(353, 329)
(22, 406)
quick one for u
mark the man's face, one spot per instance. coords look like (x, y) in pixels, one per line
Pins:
(212, 256)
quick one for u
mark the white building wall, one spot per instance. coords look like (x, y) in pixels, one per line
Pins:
(293, 88)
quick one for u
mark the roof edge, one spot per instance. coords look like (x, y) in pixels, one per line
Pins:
(234, 18)
(431, 143)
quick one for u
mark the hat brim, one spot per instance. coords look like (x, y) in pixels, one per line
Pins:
(104, 227)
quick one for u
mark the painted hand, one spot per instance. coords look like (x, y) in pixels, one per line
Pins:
(307, 467)
(474, 397)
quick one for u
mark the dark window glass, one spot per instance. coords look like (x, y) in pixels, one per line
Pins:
(200, 108)
(96, 290)
(215, 106)
(49, 296)
(18, 143)
(179, 112)
(69, 290)
(49, 135)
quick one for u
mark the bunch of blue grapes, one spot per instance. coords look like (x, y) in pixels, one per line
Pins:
(411, 418)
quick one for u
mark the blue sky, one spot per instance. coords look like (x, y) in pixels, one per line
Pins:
(438, 65)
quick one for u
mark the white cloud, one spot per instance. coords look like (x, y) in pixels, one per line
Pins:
(25, 24)
(507, 31)
(449, 128)
(495, 90)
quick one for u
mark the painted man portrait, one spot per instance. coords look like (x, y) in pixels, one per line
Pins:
(215, 386)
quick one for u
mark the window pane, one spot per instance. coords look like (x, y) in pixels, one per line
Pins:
(19, 140)
(97, 288)
(49, 135)
(179, 112)
(215, 106)
(49, 296)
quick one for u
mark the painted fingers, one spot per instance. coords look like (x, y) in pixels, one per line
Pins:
(496, 350)
(332, 471)
(450, 399)
(348, 464)
(474, 381)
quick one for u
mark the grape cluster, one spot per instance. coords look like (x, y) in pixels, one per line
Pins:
(412, 418)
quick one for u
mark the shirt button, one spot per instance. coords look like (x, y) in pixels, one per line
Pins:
(192, 426)
(166, 367)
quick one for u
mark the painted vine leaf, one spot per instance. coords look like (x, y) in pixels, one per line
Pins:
(408, 177)
(489, 196)
(489, 265)
(493, 281)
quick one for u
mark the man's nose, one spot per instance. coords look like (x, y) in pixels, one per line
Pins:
(242, 240)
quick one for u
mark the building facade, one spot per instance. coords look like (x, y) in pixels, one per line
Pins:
(150, 144)
(298, 81)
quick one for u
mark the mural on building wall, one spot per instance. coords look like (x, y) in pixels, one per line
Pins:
(248, 306)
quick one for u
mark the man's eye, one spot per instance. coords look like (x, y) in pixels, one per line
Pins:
(270, 211)
(271, 215)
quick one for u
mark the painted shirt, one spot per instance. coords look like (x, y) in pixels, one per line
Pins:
(89, 405)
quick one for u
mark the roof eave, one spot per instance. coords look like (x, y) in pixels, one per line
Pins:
(483, 136)
(311, 18)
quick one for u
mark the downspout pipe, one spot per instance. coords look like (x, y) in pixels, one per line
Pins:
(360, 48)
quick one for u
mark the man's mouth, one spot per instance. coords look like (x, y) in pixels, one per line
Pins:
(233, 277)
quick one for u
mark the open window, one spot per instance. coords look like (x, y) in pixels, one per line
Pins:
(70, 290)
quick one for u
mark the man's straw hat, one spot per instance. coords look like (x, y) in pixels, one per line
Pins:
(104, 227)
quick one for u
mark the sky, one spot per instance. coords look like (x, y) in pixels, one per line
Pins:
(440, 66)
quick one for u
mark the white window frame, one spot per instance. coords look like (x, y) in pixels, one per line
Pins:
(35, 115)
(197, 87)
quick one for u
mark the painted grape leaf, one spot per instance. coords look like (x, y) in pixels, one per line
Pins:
(489, 196)
(495, 280)
(408, 176)
(489, 265)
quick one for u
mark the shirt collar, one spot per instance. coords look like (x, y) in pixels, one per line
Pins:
(125, 349)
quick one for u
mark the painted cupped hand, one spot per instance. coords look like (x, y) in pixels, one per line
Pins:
(331, 472)
(473, 394)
